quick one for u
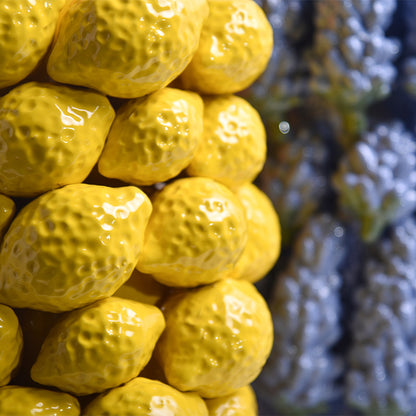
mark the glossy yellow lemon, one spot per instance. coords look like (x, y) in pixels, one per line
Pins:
(242, 402)
(217, 338)
(26, 31)
(72, 246)
(99, 346)
(144, 397)
(264, 238)
(153, 138)
(235, 46)
(195, 235)
(50, 136)
(7, 211)
(11, 343)
(233, 146)
(25, 401)
(125, 48)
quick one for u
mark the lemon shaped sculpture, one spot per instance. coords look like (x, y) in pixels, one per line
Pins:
(153, 138)
(11, 341)
(99, 346)
(217, 338)
(125, 48)
(144, 397)
(72, 246)
(50, 136)
(19, 401)
(26, 31)
(7, 211)
(235, 47)
(195, 235)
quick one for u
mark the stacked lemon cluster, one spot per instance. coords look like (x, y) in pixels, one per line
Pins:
(126, 277)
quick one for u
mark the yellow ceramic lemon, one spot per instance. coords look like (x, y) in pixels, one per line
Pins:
(242, 402)
(50, 136)
(195, 235)
(11, 343)
(25, 401)
(125, 48)
(144, 397)
(142, 288)
(72, 246)
(153, 138)
(233, 146)
(235, 46)
(7, 211)
(26, 31)
(99, 346)
(217, 338)
(263, 229)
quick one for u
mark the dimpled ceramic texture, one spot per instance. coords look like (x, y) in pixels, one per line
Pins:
(126, 48)
(11, 343)
(99, 346)
(142, 288)
(233, 146)
(7, 211)
(195, 235)
(26, 31)
(28, 401)
(235, 46)
(144, 397)
(217, 338)
(241, 403)
(264, 238)
(72, 246)
(153, 138)
(50, 136)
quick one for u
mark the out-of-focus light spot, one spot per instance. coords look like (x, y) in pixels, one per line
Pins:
(284, 127)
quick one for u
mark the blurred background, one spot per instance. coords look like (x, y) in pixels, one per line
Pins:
(339, 102)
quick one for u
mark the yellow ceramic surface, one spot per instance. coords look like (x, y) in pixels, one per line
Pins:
(233, 146)
(126, 48)
(11, 343)
(50, 136)
(7, 211)
(217, 338)
(263, 229)
(29, 401)
(242, 402)
(26, 31)
(144, 397)
(99, 346)
(153, 138)
(72, 246)
(142, 288)
(235, 46)
(195, 235)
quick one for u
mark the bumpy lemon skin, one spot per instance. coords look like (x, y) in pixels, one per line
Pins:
(242, 402)
(144, 397)
(195, 235)
(125, 48)
(99, 346)
(50, 136)
(142, 288)
(11, 342)
(22, 401)
(264, 236)
(233, 147)
(153, 138)
(26, 31)
(235, 46)
(7, 211)
(72, 246)
(217, 338)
